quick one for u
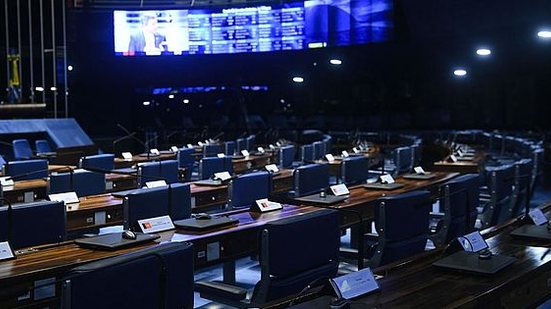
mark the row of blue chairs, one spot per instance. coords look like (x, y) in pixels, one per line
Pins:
(22, 149)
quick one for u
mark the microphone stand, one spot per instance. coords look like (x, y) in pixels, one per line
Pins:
(130, 135)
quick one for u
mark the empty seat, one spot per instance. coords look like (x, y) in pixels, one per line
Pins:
(229, 148)
(102, 161)
(83, 183)
(241, 144)
(494, 204)
(211, 150)
(402, 223)
(244, 190)
(209, 166)
(153, 171)
(307, 153)
(37, 223)
(354, 170)
(22, 149)
(313, 241)
(28, 169)
(286, 156)
(157, 277)
(186, 160)
(42, 146)
(309, 179)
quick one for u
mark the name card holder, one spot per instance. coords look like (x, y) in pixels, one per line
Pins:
(6, 252)
(67, 197)
(245, 153)
(453, 158)
(345, 154)
(155, 184)
(272, 168)
(260, 150)
(537, 216)
(174, 149)
(264, 205)
(127, 156)
(330, 158)
(220, 155)
(387, 179)
(472, 242)
(222, 176)
(6, 181)
(155, 225)
(355, 284)
(339, 189)
(154, 151)
(419, 170)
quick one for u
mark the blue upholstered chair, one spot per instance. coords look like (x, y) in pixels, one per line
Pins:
(286, 156)
(309, 179)
(319, 150)
(311, 240)
(28, 169)
(495, 202)
(229, 148)
(523, 176)
(22, 149)
(403, 159)
(307, 153)
(211, 150)
(84, 183)
(42, 146)
(402, 223)
(244, 190)
(166, 170)
(173, 200)
(156, 277)
(251, 140)
(241, 144)
(186, 160)
(4, 223)
(354, 170)
(37, 223)
(209, 166)
(458, 203)
(101, 161)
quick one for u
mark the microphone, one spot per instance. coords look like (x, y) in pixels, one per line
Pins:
(129, 135)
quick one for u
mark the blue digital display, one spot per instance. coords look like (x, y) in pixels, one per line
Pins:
(289, 26)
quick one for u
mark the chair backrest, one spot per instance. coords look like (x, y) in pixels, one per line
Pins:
(501, 185)
(251, 140)
(229, 148)
(354, 170)
(84, 183)
(319, 150)
(42, 146)
(524, 169)
(241, 144)
(169, 171)
(309, 179)
(459, 200)
(28, 169)
(286, 156)
(211, 150)
(311, 240)
(209, 166)
(37, 223)
(101, 161)
(402, 222)
(244, 190)
(4, 223)
(173, 200)
(21, 149)
(118, 282)
(2, 162)
(307, 153)
(403, 158)
(185, 157)
(166, 170)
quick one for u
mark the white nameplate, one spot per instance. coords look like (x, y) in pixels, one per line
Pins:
(453, 158)
(67, 197)
(154, 151)
(419, 170)
(271, 168)
(345, 154)
(330, 157)
(272, 147)
(155, 184)
(6, 251)
(278, 144)
(223, 176)
(6, 181)
(210, 141)
(200, 144)
(127, 156)
(459, 153)
(472, 242)
(355, 284)
(157, 224)
(356, 150)
(339, 189)
(265, 205)
(387, 179)
(189, 146)
(174, 149)
(220, 155)
(537, 216)
(245, 152)
(260, 149)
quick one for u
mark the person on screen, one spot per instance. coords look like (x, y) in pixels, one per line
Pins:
(147, 39)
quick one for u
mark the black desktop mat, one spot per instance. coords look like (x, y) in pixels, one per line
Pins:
(471, 263)
(114, 241)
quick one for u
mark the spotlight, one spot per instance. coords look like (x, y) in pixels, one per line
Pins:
(70, 68)
(484, 52)
(39, 89)
(335, 61)
(186, 101)
(298, 79)
(460, 72)
(146, 103)
(171, 96)
(53, 88)
(545, 34)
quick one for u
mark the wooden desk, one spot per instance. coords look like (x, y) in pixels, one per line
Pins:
(472, 166)
(142, 158)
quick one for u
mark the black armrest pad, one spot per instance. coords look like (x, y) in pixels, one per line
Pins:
(221, 290)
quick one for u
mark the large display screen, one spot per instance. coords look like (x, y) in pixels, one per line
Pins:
(282, 26)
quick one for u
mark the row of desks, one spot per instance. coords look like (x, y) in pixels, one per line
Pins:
(224, 244)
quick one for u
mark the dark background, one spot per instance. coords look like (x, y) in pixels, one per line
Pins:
(406, 83)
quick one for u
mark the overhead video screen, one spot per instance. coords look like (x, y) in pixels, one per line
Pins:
(287, 26)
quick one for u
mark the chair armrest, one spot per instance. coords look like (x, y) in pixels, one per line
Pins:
(436, 215)
(220, 290)
(371, 237)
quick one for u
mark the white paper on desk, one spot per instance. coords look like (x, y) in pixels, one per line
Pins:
(189, 146)
(220, 155)
(356, 150)
(537, 216)
(155, 151)
(6, 181)
(5, 251)
(459, 153)
(223, 176)
(174, 149)
(271, 168)
(387, 179)
(127, 156)
(345, 154)
(67, 197)
(245, 152)
(339, 189)
(155, 184)
(260, 149)
(330, 158)
(419, 170)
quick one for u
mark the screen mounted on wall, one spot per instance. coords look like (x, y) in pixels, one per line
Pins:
(287, 26)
